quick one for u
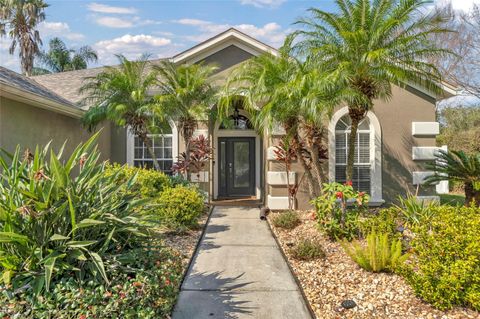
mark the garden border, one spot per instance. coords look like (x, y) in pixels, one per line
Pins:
(297, 281)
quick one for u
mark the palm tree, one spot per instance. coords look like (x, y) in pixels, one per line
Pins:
(21, 18)
(121, 94)
(59, 58)
(457, 166)
(185, 96)
(368, 45)
(286, 91)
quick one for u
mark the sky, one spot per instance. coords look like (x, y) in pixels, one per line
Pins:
(163, 28)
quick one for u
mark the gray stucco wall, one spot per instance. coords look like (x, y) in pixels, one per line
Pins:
(29, 126)
(227, 57)
(118, 145)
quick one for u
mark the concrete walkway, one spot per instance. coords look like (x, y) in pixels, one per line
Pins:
(239, 272)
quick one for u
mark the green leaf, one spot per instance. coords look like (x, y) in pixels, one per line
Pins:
(49, 265)
(58, 237)
(10, 237)
(89, 222)
(72, 212)
(97, 261)
(81, 243)
(7, 276)
(58, 171)
(77, 254)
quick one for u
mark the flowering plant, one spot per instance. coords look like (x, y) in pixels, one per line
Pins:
(338, 208)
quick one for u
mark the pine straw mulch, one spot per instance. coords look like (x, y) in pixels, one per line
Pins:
(327, 282)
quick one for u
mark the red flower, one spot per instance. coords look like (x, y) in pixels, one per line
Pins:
(107, 294)
(168, 282)
(348, 183)
(361, 194)
(339, 195)
(82, 317)
(137, 284)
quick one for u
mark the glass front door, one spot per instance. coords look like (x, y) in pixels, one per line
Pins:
(236, 166)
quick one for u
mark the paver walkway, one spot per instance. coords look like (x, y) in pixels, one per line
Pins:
(239, 272)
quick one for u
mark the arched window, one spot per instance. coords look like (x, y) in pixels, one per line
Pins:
(237, 122)
(362, 178)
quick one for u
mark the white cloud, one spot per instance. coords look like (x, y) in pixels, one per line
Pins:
(103, 8)
(263, 3)
(8, 60)
(113, 22)
(270, 33)
(124, 22)
(60, 29)
(133, 46)
(463, 5)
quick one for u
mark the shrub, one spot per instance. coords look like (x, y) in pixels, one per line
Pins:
(385, 221)
(63, 219)
(144, 285)
(334, 215)
(446, 270)
(307, 249)
(180, 206)
(415, 211)
(287, 220)
(379, 254)
(150, 183)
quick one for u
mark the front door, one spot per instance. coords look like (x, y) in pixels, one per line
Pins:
(236, 166)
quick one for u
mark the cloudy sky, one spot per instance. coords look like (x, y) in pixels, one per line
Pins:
(164, 28)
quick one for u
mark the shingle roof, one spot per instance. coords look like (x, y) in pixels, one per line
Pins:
(14, 79)
(67, 84)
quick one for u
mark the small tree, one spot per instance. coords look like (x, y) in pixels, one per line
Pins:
(200, 154)
(456, 166)
(286, 152)
(121, 94)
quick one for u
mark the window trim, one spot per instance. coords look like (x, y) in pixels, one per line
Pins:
(131, 144)
(375, 153)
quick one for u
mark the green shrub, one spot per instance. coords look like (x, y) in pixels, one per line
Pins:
(180, 206)
(384, 221)
(338, 210)
(287, 220)
(63, 219)
(150, 183)
(446, 267)
(307, 249)
(144, 284)
(415, 211)
(379, 254)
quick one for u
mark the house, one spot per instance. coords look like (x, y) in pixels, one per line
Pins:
(394, 141)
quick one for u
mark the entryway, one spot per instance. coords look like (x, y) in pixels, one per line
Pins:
(239, 272)
(236, 167)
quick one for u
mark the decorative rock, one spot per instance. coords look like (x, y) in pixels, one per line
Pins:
(349, 304)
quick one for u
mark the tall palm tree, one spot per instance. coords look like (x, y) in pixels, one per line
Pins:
(457, 166)
(185, 95)
(121, 94)
(282, 90)
(20, 19)
(59, 58)
(368, 45)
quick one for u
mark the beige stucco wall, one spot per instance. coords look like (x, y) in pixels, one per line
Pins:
(29, 126)
(395, 116)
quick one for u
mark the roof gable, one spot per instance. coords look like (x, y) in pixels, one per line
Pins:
(222, 41)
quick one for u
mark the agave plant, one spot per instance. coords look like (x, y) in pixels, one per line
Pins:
(457, 166)
(63, 218)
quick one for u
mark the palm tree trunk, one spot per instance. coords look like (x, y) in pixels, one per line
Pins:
(306, 168)
(186, 140)
(317, 170)
(146, 141)
(472, 196)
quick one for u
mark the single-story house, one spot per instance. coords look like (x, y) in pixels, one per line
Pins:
(394, 141)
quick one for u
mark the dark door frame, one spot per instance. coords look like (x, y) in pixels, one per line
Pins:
(226, 188)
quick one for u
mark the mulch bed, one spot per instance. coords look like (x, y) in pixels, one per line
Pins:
(327, 282)
(185, 242)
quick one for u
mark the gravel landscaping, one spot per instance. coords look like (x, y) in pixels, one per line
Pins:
(329, 281)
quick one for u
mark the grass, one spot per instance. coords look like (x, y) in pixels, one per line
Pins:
(452, 199)
(307, 249)
(287, 220)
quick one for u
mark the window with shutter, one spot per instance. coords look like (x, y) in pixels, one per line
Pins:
(362, 166)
